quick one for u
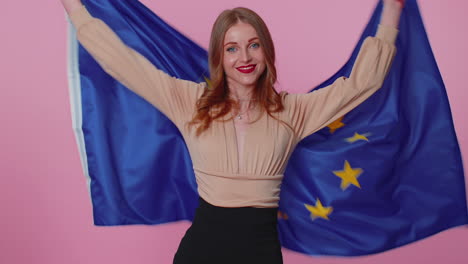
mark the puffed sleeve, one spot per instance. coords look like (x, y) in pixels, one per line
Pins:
(311, 112)
(174, 97)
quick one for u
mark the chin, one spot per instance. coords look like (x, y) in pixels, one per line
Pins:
(249, 81)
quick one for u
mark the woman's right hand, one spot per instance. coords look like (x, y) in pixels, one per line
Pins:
(71, 5)
(391, 12)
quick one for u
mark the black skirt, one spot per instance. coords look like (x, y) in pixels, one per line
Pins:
(231, 235)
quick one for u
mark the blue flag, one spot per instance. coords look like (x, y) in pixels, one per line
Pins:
(386, 174)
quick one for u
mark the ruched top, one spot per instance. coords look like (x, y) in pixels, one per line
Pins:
(224, 177)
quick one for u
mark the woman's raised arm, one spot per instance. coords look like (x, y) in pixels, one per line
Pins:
(175, 98)
(391, 13)
(312, 111)
(71, 5)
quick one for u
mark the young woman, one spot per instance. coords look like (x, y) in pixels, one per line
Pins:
(239, 131)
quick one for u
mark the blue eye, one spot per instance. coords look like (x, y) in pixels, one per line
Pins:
(231, 49)
(255, 45)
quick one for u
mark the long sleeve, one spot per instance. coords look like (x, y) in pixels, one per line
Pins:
(174, 97)
(312, 111)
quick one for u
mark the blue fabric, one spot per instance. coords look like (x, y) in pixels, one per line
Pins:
(411, 183)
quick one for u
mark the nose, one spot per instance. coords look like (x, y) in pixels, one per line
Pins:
(245, 55)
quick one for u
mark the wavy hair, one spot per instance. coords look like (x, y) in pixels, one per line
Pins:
(215, 102)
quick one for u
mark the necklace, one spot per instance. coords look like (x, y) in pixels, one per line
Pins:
(239, 115)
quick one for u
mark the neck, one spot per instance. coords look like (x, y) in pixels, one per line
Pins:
(240, 92)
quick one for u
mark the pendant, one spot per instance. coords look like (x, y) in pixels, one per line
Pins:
(239, 117)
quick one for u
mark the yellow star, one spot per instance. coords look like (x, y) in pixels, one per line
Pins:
(348, 176)
(333, 126)
(208, 81)
(318, 210)
(357, 137)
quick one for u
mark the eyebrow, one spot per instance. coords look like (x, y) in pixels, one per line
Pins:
(250, 40)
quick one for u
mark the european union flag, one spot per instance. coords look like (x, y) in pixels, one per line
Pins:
(386, 174)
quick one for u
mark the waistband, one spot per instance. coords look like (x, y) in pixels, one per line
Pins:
(209, 213)
(238, 190)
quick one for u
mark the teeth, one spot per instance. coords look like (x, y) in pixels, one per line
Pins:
(246, 68)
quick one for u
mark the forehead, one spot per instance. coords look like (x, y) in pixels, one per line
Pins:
(240, 32)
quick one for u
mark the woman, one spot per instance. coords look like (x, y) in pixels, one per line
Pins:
(239, 131)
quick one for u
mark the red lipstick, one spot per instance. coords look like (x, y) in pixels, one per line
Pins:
(247, 69)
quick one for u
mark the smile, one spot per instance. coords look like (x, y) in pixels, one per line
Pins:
(247, 69)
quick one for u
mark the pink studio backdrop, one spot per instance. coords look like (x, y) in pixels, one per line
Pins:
(46, 210)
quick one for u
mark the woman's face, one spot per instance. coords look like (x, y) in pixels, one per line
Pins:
(243, 58)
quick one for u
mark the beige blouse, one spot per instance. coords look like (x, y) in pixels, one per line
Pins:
(224, 176)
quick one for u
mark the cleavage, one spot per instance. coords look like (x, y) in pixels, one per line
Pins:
(241, 127)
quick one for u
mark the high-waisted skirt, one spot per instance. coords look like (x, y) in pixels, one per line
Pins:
(231, 235)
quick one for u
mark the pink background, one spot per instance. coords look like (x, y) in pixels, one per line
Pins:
(46, 210)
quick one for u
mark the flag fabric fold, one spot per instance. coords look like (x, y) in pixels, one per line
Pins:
(386, 174)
